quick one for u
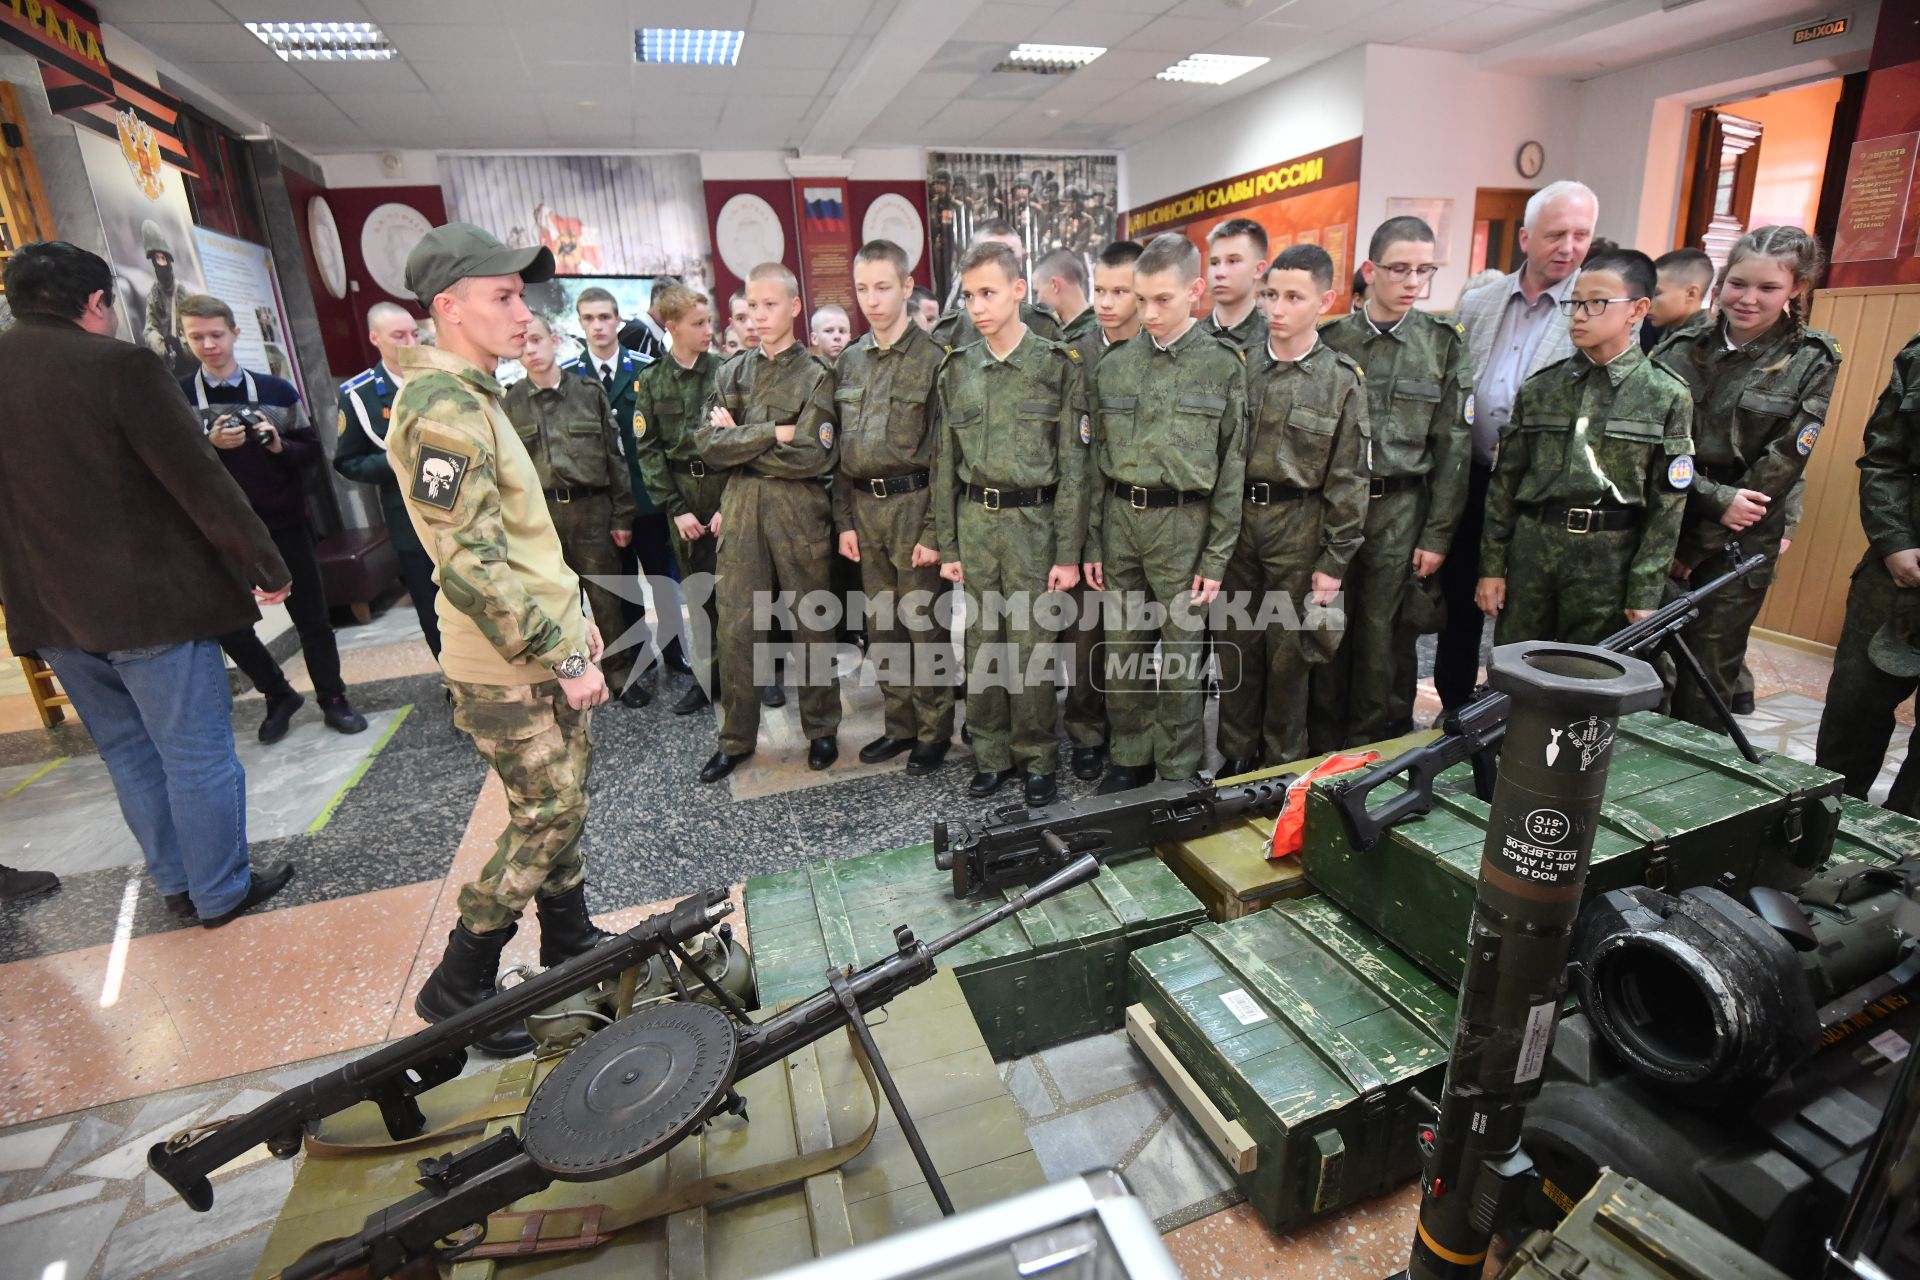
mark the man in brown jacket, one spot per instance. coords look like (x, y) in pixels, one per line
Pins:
(126, 610)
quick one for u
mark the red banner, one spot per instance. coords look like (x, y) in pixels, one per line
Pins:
(65, 36)
(826, 243)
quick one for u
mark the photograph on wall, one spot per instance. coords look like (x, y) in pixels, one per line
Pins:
(149, 229)
(1053, 201)
(600, 215)
(1436, 212)
(240, 274)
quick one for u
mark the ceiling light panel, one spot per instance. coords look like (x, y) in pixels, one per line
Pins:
(324, 41)
(1211, 68)
(688, 46)
(1050, 59)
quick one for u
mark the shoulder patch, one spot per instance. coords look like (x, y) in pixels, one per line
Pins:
(1821, 337)
(1086, 429)
(1680, 472)
(358, 379)
(1073, 354)
(438, 474)
(639, 425)
(1804, 442)
(1459, 328)
(1467, 408)
(826, 435)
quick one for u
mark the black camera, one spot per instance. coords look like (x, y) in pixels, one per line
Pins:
(241, 415)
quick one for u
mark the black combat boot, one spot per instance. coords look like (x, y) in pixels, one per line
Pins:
(465, 976)
(566, 930)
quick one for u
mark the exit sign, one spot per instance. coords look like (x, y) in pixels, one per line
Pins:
(1821, 30)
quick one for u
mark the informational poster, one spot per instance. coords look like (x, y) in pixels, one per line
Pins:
(150, 242)
(826, 243)
(240, 274)
(1873, 208)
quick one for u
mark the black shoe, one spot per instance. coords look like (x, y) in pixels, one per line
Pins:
(466, 975)
(341, 717)
(1041, 789)
(635, 696)
(925, 758)
(1234, 766)
(18, 886)
(566, 930)
(1742, 704)
(1087, 762)
(884, 748)
(822, 752)
(719, 766)
(694, 699)
(772, 695)
(1121, 777)
(181, 905)
(987, 781)
(675, 660)
(261, 885)
(280, 711)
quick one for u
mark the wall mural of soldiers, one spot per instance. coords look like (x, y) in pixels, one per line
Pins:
(1055, 202)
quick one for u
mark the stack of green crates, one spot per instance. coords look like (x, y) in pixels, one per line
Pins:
(1052, 973)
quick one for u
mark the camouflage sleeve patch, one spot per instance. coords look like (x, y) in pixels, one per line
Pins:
(439, 469)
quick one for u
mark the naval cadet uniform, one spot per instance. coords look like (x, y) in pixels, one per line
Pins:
(366, 414)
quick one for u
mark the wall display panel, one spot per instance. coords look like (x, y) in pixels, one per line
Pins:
(750, 222)
(240, 274)
(144, 209)
(1053, 201)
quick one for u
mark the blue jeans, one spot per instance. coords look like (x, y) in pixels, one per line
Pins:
(162, 717)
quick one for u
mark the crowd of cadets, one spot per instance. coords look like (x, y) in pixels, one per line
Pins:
(1095, 438)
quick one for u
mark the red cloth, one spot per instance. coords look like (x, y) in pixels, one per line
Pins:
(1291, 827)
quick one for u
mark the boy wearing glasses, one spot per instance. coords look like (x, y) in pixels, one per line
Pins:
(1417, 383)
(1590, 481)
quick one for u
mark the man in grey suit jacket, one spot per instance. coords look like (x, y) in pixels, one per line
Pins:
(1514, 329)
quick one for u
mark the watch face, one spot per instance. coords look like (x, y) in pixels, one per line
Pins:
(573, 667)
(1532, 159)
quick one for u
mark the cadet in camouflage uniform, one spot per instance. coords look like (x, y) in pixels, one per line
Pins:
(1758, 410)
(1417, 380)
(568, 429)
(1010, 497)
(956, 328)
(669, 405)
(1300, 524)
(1590, 479)
(517, 651)
(882, 505)
(1060, 280)
(771, 417)
(1858, 721)
(1236, 263)
(1683, 286)
(160, 325)
(1170, 461)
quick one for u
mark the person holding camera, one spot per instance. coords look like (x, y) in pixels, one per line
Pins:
(259, 429)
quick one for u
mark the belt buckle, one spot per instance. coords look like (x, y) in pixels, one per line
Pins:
(990, 498)
(563, 496)
(877, 487)
(1586, 519)
(697, 469)
(1377, 487)
(1137, 497)
(1261, 493)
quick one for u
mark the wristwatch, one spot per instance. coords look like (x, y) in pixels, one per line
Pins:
(573, 666)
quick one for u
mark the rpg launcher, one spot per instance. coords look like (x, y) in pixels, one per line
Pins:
(1474, 732)
(1016, 845)
(634, 1089)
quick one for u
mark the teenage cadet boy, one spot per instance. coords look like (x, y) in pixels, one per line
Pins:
(569, 432)
(884, 510)
(956, 328)
(1117, 311)
(366, 412)
(1060, 282)
(832, 330)
(740, 320)
(1236, 263)
(1010, 501)
(518, 653)
(1170, 462)
(1300, 525)
(669, 402)
(925, 309)
(1416, 379)
(771, 416)
(1685, 279)
(1590, 482)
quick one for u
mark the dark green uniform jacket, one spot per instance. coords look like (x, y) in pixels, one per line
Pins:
(366, 412)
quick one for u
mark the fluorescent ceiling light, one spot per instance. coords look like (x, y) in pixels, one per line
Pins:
(688, 45)
(1050, 59)
(1211, 68)
(324, 41)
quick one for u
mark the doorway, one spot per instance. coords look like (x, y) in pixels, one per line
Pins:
(1754, 162)
(1497, 215)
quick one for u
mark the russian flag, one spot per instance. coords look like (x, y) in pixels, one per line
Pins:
(825, 211)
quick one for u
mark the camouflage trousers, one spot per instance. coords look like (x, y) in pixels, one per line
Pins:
(1565, 586)
(702, 494)
(918, 703)
(1086, 703)
(1350, 697)
(542, 749)
(1007, 554)
(1858, 721)
(1718, 637)
(585, 526)
(1264, 670)
(1150, 555)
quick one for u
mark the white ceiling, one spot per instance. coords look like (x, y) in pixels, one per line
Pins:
(824, 75)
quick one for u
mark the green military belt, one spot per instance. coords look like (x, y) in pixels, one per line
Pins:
(576, 495)
(995, 498)
(887, 486)
(1141, 498)
(1381, 486)
(1260, 493)
(696, 468)
(1585, 519)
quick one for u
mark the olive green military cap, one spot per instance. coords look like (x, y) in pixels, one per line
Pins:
(449, 254)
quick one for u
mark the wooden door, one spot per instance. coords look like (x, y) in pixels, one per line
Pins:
(24, 213)
(1719, 198)
(1498, 213)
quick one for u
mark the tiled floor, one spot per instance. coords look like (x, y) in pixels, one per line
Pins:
(116, 1026)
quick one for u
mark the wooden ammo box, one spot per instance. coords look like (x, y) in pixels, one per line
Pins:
(1869, 833)
(1052, 973)
(1682, 809)
(1305, 1030)
(813, 1100)
(1624, 1230)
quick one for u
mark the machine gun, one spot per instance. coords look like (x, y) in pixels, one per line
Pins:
(633, 1090)
(1014, 845)
(1474, 732)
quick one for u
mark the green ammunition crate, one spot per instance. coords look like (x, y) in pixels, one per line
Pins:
(1869, 833)
(1312, 1033)
(1052, 973)
(1682, 809)
(1624, 1230)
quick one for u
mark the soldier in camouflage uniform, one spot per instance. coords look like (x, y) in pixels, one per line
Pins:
(1300, 524)
(1417, 380)
(1857, 723)
(882, 506)
(1170, 461)
(1060, 280)
(1761, 384)
(1590, 480)
(1010, 500)
(669, 405)
(956, 328)
(568, 429)
(516, 649)
(1236, 263)
(160, 325)
(771, 418)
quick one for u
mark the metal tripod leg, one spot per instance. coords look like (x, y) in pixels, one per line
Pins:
(1720, 707)
(857, 1020)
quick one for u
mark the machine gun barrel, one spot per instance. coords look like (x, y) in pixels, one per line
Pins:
(393, 1076)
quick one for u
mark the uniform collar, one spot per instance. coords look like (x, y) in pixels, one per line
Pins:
(1373, 328)
(1312, 351)
(791, 349)
(1558, 292)
(1617, 369)
(414, 359)
(913, 334)
(1754, 346)
(1180, 343)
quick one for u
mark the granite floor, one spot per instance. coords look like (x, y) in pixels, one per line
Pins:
(117, 1026)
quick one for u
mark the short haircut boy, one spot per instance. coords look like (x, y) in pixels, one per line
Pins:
(594, 293)
(1169, 251)
(1393, 231)
(995, 227)
(886, 251)
(775, 271)
(204, 306)
(1066, 264)
(1121, 253)
(828, 310)
(385, 312)
(1690, 265)
(675, 301)
(1241, 227)
(1310, 258)
(991, 252)
(1633, 267)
